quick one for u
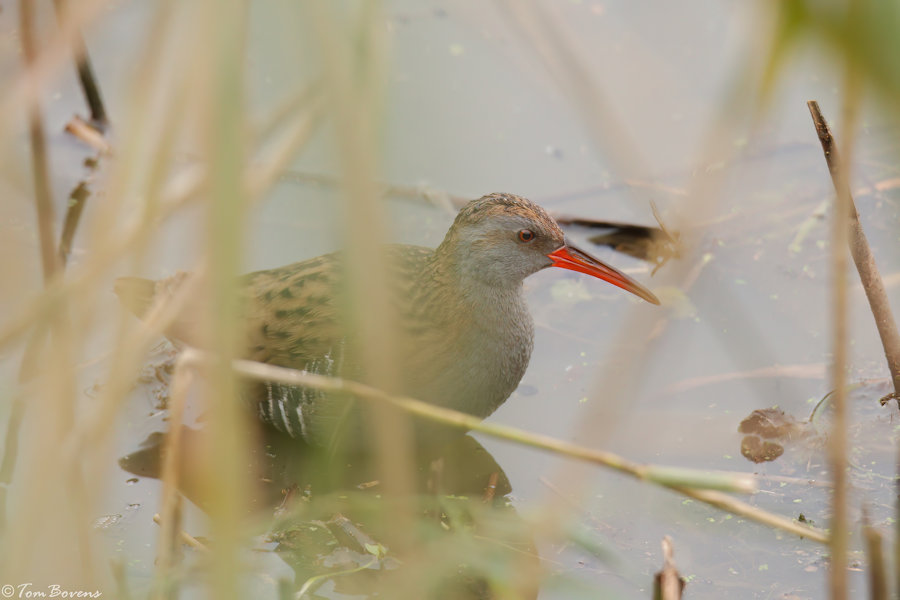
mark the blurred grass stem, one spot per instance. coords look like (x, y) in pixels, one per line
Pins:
(222, 66)
(170, 519)
(40, 170)
(878, 586)
(351, 46)
(55, 365)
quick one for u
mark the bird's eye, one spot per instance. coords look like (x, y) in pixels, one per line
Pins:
(526, 235)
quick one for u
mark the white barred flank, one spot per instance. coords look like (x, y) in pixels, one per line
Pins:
(286, 407)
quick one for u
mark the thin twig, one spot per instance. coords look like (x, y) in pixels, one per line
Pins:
(77, 200)
(740, 508)
(676, 479)
(809, 371)
(85, 72)
(862, 253)
(450, 202)
(668, 584)
(453, 202)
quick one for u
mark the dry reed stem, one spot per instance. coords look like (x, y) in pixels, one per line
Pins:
(837, 445)
(224, 128)
(450, 203)
(180, 190)
(543, 32)
(27, 88)
(56, 326)
(154, 114)
(617, 380)
(354, 79)
(740, 508)
(837, 440)
(808, 371)
(61, 296)
(665, 477)
(668, 583)
(164, 198)
(186, 538)
(844, 211)
(77, 200)
(40, 169)
(870, 278)
(131, 346)
(113, 247)
(290, 137)
(878, 587)
(85, 73)
(170, 514)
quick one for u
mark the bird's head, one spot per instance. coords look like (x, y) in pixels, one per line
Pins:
(500, 239)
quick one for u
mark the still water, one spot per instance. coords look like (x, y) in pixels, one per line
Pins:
(471, 108)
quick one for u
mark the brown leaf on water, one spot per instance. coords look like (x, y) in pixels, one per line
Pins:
(763, 426)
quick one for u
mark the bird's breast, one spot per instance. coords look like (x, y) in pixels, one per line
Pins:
(473, 361)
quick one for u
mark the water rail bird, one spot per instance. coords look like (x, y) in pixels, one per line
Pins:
(465, 331)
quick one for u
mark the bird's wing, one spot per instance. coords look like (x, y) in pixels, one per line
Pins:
(292, 314)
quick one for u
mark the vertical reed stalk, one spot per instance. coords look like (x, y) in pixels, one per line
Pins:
(837, 440)
(46, 373)
(352, 61)
(224, 131)
(168, 541)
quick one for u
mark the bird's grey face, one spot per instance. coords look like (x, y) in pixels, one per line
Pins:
(502, 250)
(501, 239)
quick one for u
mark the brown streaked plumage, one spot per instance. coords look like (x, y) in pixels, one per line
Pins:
(465, 328)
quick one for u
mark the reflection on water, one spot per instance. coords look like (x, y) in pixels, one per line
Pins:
(327, 516)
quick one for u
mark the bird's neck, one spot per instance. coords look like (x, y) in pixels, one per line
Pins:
(482, 333)
(453, 284)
